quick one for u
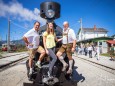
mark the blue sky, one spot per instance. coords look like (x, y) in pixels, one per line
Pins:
(23, 13)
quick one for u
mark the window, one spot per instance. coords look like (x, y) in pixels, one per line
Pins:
(100, 43)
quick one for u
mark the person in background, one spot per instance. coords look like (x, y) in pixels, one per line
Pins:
(97, 52)
(112, 52)
(76, 51)
(86, 50)
(90, 49)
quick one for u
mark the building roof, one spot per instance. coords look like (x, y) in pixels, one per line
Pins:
(111, 41)
(94, 29)
(100, 39)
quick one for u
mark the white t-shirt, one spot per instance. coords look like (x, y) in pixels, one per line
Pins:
(33, 37)
(97, 50)
(71, 36)
(90, 48)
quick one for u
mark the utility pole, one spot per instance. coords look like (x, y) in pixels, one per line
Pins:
(0, 38)
(6, 37)
(8, 41)
(81, 27)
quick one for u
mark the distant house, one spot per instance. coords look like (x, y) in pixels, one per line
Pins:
(88, 33)
(113, 36)
(97, 36)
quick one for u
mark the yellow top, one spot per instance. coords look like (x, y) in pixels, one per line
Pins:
(50, 40)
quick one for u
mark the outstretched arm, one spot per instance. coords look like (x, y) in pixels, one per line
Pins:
(26, 41)
(58, 39)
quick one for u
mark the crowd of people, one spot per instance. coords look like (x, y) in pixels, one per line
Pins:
(92, 50)
(89, 50)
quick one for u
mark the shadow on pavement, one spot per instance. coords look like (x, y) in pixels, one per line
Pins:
(76, 76)
(112, 59)
(67, 83)
(28, 84)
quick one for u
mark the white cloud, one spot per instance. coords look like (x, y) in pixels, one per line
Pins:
(16, 10)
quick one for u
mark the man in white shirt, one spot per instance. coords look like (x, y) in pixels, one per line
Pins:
(32, 40)
(68, 46)
(98, 52)
(90, 49)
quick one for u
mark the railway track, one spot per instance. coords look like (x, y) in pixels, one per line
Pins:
(10, 55)
(12, 62)
(103, 67)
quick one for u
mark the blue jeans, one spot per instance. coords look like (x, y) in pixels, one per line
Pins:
(54, 59)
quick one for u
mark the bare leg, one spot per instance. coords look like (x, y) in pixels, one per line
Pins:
(30, 62)
(41, 56)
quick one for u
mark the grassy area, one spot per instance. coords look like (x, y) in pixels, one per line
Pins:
(105, 54)
(0, 53)
(21, 49)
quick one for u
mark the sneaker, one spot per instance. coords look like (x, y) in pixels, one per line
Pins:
(69, 71)
(64, 67)
(97, 58)
(30, 76)
(30, 72)
(49, 75)
(38, 65)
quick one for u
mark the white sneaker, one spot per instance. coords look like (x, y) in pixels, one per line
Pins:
(38, 65)
(49, 75)
(30, 72)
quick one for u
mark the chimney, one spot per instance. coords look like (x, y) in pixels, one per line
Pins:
(94, 27)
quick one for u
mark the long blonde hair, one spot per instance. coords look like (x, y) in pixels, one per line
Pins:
(48, 30)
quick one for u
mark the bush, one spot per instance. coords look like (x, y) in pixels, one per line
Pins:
(0, 52)
(21, 48)
(105, 54)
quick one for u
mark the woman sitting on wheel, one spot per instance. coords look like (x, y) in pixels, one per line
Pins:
(49, 38)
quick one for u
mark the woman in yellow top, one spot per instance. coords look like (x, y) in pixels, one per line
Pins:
(49, 38)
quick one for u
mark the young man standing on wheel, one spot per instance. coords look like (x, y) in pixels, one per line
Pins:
(68, 46)
(32, 40)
